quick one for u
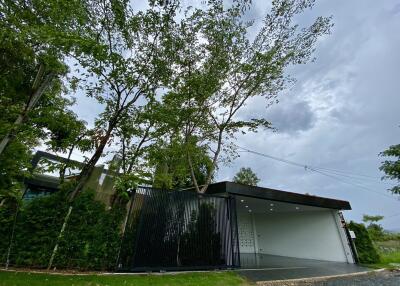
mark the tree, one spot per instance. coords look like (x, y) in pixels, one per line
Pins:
(219, 69)
(246, 176)
(375, 230)
(121, 62)
(392, 167)
(372, 218)
(31, 64)
(169, 162)
(32, 76)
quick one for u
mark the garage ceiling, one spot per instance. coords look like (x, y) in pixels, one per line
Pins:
(253, 205)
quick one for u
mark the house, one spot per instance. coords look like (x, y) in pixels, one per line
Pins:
(230, 226)
(101, 181)
(286, 224)
(234, 226)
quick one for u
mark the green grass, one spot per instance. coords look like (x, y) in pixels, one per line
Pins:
(195, 279)
(393, 257)
(389, 252)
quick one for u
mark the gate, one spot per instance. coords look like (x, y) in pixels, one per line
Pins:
(179, 230)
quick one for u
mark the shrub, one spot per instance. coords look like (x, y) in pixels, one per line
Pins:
(91, 239)
(365, 248)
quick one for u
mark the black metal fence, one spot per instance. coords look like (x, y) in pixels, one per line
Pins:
(176, 230)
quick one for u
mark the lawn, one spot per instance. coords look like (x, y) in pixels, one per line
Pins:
(389, 252)
(198, 279)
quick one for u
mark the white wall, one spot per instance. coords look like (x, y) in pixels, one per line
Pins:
(312, 235)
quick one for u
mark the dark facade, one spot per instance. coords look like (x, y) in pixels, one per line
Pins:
(176, 230)
(230, 188)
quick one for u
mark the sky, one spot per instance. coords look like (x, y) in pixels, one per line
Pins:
(342, 111)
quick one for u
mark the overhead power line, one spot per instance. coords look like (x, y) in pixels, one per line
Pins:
(332, 173)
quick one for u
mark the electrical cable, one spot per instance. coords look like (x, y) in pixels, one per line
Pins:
(323, 171)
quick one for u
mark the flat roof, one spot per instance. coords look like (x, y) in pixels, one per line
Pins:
(276, 195)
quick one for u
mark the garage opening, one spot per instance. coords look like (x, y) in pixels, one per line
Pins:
(280, 234)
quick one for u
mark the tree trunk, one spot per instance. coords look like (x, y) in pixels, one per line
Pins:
(12, 236)
(33, 99)
(53, 254)
(192, 174)
(65, 165)
(88, 168)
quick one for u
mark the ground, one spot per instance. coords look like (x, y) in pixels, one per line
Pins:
(380, 278)
(12, 278)
(194, 279)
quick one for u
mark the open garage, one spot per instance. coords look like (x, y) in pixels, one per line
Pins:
(278, 229)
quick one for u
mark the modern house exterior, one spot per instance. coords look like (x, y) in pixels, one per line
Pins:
(279, 223)
(230, 226)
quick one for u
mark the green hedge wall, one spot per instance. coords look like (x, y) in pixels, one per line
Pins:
(366, 251)
(91, 240)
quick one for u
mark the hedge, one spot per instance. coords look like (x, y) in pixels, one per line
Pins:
(91, 240)
(365, 248)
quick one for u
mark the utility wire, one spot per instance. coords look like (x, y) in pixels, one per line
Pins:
(321, 171)
(350, 173)
(390, 216)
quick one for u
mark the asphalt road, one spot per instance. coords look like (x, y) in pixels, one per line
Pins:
(384, 278)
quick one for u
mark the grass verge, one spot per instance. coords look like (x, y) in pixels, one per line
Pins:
(389, 260)
(11, 278)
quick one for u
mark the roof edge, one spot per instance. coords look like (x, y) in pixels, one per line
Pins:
(276, 195)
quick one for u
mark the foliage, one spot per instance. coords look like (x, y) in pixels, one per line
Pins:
(182, 279)
(375, 230)
(246, 176)
(392, 167)
(91, 239)
(171, 167)
(372, 218)
(218, 69)
(366, 250)
(120, 62)
(28, 64)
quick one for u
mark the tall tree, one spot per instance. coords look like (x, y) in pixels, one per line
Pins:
(221, 67)
(391, 168)
(31, 63)
(246, 176)
(121, 60)
(124, 63)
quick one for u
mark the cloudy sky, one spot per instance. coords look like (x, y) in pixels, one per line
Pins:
(343, 110)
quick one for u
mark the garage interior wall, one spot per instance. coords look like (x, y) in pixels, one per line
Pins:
(309, 235)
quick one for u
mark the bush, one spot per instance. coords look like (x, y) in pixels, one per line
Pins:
(91, 239)
(366, 250)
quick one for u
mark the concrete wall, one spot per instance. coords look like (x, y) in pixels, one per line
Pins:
(312, 235)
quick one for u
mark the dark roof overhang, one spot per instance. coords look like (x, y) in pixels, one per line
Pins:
(276, 195)
(43, 181)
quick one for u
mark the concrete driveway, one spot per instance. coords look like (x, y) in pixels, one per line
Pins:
(260, 267)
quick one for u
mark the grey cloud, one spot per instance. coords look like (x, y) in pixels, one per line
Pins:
(292, 117)
(343, 110)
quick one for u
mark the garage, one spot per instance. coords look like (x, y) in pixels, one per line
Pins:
(278, 229)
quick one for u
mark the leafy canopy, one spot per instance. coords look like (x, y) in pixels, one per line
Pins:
(391, 168)
(246, 176)
(220, 66)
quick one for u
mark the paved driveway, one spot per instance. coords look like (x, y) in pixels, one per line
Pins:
(269, 267)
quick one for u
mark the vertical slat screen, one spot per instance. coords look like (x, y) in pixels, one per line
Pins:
(177, 230)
